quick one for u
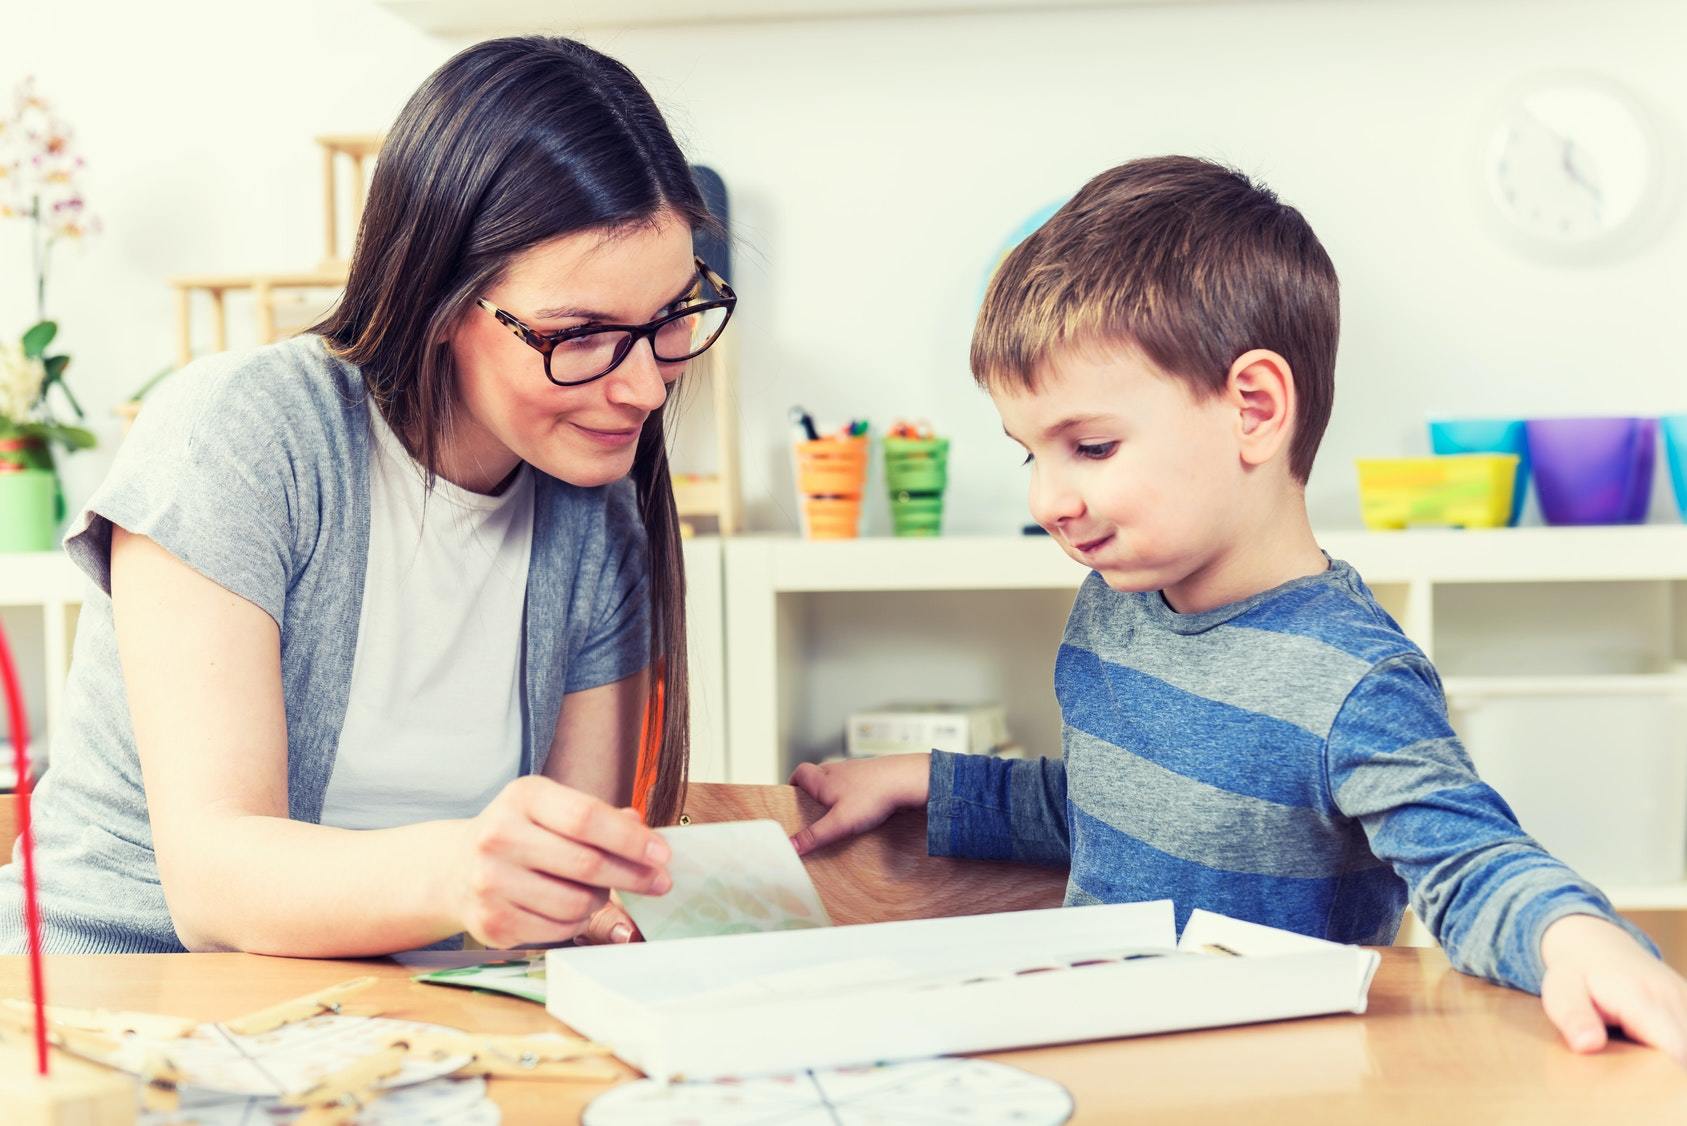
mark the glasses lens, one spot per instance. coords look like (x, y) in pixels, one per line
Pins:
(585, 357)
(684, 337)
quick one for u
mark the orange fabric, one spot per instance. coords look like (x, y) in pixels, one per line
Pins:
(649, 745)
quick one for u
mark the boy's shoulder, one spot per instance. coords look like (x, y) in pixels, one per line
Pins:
(1324, 633)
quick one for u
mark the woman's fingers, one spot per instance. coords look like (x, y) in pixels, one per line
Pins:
(517, 907)
(611, 924)
(583, 818)
(541, 850)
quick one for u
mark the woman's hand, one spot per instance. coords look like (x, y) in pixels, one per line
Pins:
(539, 862)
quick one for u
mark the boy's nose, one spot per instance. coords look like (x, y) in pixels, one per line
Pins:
(1053, 501)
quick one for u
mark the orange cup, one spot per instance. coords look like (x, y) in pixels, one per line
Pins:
(831, 476)
(832, 467)
(832, 518)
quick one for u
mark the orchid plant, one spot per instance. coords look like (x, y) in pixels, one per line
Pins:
(38, 184)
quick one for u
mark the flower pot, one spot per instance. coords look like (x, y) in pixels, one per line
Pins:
(29, 509)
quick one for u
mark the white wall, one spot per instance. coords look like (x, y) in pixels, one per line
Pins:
(882, 161)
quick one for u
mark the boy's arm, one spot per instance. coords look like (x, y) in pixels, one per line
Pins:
(988, 808)
(1481, 885)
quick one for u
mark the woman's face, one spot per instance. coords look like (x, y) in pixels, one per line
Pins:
(585, 435)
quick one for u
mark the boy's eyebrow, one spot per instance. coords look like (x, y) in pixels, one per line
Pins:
(1069, 423)
(597, 315)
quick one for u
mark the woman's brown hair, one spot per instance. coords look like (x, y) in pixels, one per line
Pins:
(511, 143)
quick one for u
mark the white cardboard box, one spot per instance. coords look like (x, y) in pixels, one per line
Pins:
(896, 729)
(756, 1004)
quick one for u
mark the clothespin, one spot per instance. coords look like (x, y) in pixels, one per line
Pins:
(355, 1085)
(161, 1082)
(535, 1056)
(111, 1023)
(300, 1008)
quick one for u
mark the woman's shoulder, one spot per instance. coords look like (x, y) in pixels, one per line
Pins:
(294, 393)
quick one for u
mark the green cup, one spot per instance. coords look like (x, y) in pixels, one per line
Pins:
(29, 510)
(916, 465)
(917, 515)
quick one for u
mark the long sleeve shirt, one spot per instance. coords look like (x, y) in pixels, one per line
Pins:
(1286, 759)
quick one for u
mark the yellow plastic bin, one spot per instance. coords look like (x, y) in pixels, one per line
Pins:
(1453, 490)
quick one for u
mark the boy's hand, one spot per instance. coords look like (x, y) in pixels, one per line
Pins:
(859, 795)
(1597, 975)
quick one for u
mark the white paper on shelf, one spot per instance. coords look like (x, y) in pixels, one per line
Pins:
(758, 1004)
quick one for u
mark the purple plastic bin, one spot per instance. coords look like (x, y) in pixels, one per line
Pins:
(1593, 470)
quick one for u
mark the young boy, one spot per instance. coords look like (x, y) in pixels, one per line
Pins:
(1246, 729)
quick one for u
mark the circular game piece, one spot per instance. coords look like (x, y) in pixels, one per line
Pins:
(940, 1092)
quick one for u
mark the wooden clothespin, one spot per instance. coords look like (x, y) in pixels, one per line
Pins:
(355, 1085)
(310, 1005)
(111, 1023)
(161, 1082)
(537, 1056)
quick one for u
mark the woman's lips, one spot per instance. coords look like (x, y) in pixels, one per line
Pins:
(608, 439)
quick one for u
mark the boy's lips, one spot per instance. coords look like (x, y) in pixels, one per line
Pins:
(1090, 547)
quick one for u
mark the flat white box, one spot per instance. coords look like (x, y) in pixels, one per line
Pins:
(896, 729)
(756, 1004)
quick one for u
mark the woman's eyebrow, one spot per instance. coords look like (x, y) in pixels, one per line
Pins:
(596, 315)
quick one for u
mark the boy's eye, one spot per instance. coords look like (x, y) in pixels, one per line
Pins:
(1097, 451)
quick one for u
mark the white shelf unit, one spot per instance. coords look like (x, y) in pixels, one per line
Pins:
(808, 621)
(41, 594)
(512, 17)
(40, 597)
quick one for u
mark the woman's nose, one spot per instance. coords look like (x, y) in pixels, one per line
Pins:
(638, 381)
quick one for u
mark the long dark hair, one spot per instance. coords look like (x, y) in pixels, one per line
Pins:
(511, 143)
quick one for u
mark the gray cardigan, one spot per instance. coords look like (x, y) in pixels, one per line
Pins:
(253, 469)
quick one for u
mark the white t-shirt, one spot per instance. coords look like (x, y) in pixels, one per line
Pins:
(433, 723)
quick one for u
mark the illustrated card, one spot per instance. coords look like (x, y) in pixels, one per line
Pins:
(737, 877)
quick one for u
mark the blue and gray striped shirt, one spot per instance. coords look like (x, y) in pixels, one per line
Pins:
(1286, 759)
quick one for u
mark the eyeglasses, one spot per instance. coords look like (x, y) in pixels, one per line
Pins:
(575, 356)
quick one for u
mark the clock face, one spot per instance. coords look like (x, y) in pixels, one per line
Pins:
(1574, 166)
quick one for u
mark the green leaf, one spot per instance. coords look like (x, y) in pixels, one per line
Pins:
(35, 341)
(70, 437)
(55, 366)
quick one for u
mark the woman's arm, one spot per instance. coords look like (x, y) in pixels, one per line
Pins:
(201, 669)
(595, 749)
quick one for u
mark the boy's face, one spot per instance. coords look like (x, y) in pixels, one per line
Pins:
(1135, 476)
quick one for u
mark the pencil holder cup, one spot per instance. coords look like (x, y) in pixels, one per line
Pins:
(917, 472)
(831, 476)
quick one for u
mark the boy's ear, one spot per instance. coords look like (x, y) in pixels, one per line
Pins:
(1261, 387)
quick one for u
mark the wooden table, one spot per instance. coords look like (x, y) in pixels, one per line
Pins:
(1436, 1047)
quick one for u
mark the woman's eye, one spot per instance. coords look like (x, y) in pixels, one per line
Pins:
(1028, 459)
(1097, 451)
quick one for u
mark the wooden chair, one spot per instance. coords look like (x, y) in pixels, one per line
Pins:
(884, 875)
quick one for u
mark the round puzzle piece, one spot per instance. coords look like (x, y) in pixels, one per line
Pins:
(937, 1092)
(285, 1061)
(439, 1102)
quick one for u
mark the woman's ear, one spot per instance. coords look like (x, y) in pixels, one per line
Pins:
(1261, 388)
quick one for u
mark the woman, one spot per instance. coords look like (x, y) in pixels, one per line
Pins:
(384, 605)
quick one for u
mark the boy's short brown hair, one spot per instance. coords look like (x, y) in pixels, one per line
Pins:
(1184, 259)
